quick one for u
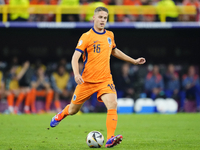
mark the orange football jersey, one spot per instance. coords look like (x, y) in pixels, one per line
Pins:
(96, 48)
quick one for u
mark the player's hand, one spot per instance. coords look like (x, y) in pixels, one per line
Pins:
(140, 61)
(78, 79)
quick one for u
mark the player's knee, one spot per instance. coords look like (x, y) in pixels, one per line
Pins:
(113, 104)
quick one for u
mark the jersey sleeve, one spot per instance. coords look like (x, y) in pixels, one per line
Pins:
(82, 43)
(114, 45)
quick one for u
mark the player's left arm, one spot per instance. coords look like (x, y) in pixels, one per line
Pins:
(120, 55)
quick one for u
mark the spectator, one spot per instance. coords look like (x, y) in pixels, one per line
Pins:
(134, 17)
(154, 83)
(1, 3)
(92, 6)
(24, 15)
(41, 87)
(59, 83)
(195, 3)
(170, 13)
(83, 15)
(147, 17)
(172, 84)
(14, 61)
(23, 77)
(43, 17)
(124, 84)
(2, 86)
(109, 2)
(70, 17)
(12, 90)
(191, 87)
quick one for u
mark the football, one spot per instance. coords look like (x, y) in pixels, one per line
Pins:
(95, 139)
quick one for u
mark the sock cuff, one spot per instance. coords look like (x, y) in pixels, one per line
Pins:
(112, 111)
(67, 110)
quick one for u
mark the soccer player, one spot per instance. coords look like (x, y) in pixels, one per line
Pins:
(96, 45)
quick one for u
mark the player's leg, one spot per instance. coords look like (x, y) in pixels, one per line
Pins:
(107, 94)
(19, 100)
(10, 100)
(27, 100)
(110, 100)
(33, 92)
(70, 109)
(81, 94)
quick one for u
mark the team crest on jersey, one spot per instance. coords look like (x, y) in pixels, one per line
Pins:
(109, 41)
(74, 97)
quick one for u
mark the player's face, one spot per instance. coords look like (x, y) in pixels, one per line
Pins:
(100, 19)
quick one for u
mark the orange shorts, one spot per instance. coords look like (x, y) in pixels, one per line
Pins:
(84, 91)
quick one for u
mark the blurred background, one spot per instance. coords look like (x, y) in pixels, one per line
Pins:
(38, 38)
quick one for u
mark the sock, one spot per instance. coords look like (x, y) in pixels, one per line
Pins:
(49, 99)
(27, 102)
(32, 99)
(19, 99)
(57, 105)
(10, 99)
(64, 113)
(111, 122)
(28, 99)
(11, 109)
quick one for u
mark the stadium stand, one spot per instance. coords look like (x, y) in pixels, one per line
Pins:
(120, 10)
(133, 90)
(137, 81)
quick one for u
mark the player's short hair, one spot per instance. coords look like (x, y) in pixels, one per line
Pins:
(98, 9)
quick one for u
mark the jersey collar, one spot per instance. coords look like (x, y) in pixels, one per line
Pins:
(98, 32)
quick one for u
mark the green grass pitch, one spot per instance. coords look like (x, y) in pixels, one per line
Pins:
(140, 132)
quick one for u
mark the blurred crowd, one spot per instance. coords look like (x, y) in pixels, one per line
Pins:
(172, 15)
(160, 81)
(24, 83)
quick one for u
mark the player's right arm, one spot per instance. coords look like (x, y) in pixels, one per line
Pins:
(80, 48)
(75, 67)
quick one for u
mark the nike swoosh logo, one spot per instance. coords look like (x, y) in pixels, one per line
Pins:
(56, 117)
(114, 119)
(96, 41)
